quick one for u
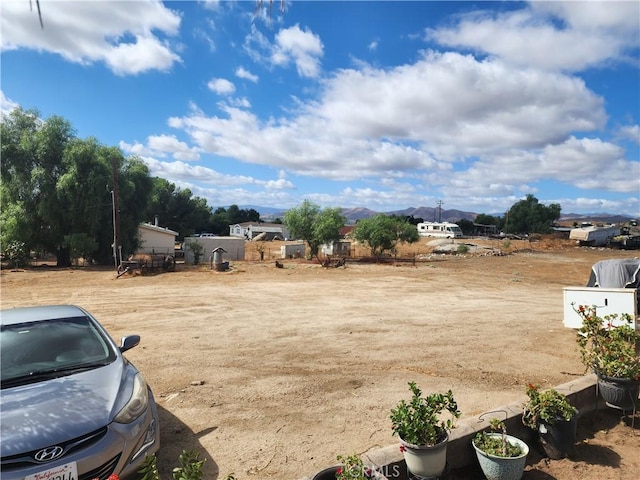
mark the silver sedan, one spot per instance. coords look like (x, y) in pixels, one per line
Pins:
(71, 406)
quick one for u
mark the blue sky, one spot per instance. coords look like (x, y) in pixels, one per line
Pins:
(383, 105)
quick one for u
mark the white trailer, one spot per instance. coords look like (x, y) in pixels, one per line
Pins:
(613, 288)
(594, 236)
(439, 230)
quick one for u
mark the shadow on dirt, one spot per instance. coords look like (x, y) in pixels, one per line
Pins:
(176, 437)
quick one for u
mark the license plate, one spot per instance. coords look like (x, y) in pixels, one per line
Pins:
(68, 471)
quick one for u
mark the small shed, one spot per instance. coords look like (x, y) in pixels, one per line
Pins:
(340, 247)
(156, 239)
(233, 247)
(292, 250)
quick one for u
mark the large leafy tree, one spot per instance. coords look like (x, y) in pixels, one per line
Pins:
(382, 233)
(529, 216)
(313, 225)
(177, 209)
(56, 188)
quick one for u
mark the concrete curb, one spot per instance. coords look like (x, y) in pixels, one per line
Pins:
(581, 393)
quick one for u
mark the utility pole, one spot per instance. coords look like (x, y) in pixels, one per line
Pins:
(116, 217)
(439, 210)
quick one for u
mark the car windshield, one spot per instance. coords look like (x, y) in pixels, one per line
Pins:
(36, 351)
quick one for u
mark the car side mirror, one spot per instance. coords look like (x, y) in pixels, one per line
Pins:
(129, 342)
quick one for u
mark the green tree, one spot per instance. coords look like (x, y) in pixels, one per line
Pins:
(529, 216)
(177, 209)
(56, 187)
(466, 226)
(382, 233)
(81, 246)
(484, 219)
(313, 225)
(197, 249)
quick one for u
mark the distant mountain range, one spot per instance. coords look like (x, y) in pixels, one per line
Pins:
(430, 214)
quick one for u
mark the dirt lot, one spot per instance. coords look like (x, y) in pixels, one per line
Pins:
(272, 372)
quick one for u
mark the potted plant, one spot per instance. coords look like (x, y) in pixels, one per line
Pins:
(422, 431)
(501, 456)
(351, 467)
(611, 352)
(555, 420)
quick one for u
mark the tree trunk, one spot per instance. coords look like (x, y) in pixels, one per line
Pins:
(63, 257)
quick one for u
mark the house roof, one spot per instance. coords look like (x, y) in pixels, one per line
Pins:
(259, 224)
(156, 228)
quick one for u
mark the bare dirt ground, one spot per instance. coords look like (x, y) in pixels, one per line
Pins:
(272, 372)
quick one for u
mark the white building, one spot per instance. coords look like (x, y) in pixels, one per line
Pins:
(293, 250)
(233, 248)
(156, 239)
(340, 247)
(250, 230)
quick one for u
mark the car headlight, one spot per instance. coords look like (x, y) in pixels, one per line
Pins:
(137, 404)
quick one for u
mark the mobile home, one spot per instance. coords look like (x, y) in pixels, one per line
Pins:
(439, 229)
(594, 236)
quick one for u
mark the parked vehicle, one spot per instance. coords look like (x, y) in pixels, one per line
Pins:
(439, 230)
(71, 407)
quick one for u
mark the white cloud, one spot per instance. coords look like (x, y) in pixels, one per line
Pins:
(188, 172)
(160, 146)
(240, 102)
(456, 105)
(211, 4)
(373, 45)
(279, 184)
(6, 104)
(417, 119)
(590, 33)
(221, 86)
(632, 132)
(129, 37)
(302, 47)
(241, 72)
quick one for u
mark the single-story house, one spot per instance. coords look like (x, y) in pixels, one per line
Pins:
(156, 239)
(250, 230)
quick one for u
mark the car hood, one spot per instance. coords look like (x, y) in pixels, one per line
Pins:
(51, 412)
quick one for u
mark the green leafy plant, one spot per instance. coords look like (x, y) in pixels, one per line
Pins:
(17, 254)
(419, 422)
(352, 468)
(495, 442)
(548, 407)
(190, 467)
(606, 349)
(197, 249)
(462, 249)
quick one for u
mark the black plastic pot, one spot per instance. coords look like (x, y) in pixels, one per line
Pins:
(331, 472)
(619, 393)
(558, 440)
(326, 474)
